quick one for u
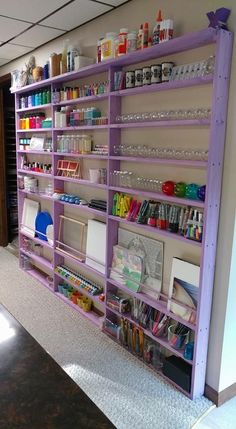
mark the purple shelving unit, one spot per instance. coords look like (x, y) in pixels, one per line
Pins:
(216, 124)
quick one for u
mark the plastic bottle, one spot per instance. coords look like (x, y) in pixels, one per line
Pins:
(140, 37)
(156, 29)
(145, 36)
(64, 56)
(108, 46)
(131, 42)
(99, 53)
(123, 41)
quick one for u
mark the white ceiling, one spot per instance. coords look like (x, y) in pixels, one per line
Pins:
(28, 24)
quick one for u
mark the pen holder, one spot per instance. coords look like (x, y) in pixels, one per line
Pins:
(60, 288)
(87, 304)
(65, 291)
(177, 341)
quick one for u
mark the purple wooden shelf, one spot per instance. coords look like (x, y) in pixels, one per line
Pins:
(159, 197)
(158, 305)
(79, 100)
(162, 161)
(218, 101)
(179, 44)
(37, 275)
(39, 259)
(160, 340)
(83, 127)
(81, 155)
(34, 152)
(93, 317)
(29, 109)
(37, 240)
(81, 182)
(35, 173)
(176, 123)
(35, 130)
(84, 208)
(80, 264)
(35, 194)
(165, 86)
(157, 231)
(155, 370)
(94, 298)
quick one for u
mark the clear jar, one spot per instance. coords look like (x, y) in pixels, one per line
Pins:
(86, 142)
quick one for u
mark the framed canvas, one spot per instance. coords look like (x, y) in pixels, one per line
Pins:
(29, 214)
(184, 288)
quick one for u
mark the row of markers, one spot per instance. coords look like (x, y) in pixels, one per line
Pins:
(186, 221)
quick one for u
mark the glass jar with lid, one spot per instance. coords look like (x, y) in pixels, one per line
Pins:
(86, 141)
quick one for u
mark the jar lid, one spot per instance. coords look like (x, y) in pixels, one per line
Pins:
(124, 30)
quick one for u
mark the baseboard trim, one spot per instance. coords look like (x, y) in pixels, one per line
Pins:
(219, 398)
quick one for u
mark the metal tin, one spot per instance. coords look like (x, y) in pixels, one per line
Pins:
(156, 72)
(146, 75)
(138, 80)
(129, 79)
(166, 69)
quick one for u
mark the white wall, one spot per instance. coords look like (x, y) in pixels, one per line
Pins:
(188, 15)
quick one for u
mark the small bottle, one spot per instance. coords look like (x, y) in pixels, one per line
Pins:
(122, 41)
(140, 37)
(33, 99)
(39, 98)
(44, 97)
(145, 35)
(64, 56)
(99, 51)
(131, 42)
(156, 29)
(149, 42)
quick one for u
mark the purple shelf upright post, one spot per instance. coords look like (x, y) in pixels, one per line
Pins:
(223, 55)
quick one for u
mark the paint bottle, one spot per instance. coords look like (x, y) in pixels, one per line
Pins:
(99, 52)
(140, 37)
(145, 36)
(63, 65)
(131, 42)
(122, 41)
(156, 29)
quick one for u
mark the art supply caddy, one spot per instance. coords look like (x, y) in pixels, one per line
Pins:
(120, 288)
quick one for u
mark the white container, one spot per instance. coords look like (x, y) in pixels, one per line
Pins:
(63, 123)
(131, 42)
(81, 61)
(94, 175)
(108, 46)
(57, 119)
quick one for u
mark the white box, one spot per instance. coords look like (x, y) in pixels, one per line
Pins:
(81, 61)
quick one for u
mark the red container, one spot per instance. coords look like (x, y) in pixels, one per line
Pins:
(122, 41)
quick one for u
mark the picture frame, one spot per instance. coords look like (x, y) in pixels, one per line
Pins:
(184, 289)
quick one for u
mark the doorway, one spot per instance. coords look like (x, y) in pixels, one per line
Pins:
(8, 173)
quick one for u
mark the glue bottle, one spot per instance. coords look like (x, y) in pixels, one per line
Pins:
(145, 36)
(156, 29)
(140, 37)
